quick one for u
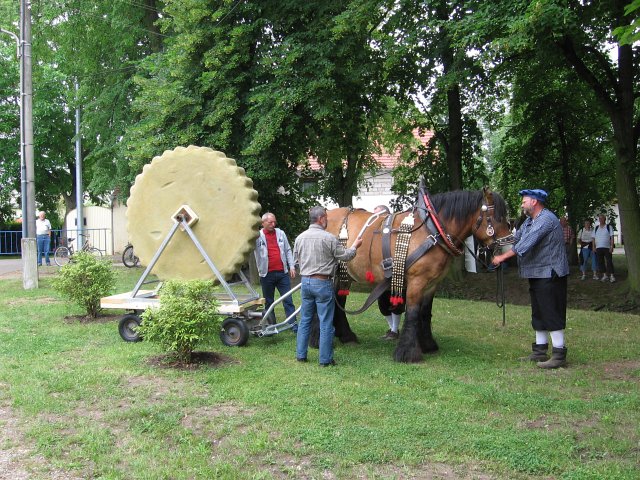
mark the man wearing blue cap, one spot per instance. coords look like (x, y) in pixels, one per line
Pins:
(542, 258)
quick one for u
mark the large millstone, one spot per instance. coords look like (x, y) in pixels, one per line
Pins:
(216, 190)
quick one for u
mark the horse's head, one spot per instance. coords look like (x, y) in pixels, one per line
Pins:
(492, 227)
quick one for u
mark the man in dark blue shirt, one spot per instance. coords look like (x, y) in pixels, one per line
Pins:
(542, 258)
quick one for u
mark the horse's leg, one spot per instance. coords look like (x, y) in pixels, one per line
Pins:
(314, 333)
(408, 349)
(341, 324)
(425, 336)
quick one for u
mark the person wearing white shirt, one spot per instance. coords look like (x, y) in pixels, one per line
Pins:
(585, 236)
(43, 238)
(603, 246)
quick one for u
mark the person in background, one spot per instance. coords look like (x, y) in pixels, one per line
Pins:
(274, 260)
(542, 258)
(603, 246)
(569, 236)
(389, 312)
(587, 255)
(43, 238)
(317, 253)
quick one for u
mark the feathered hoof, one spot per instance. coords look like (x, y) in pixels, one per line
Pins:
(351, 338)
(403, 355)
(429, 347)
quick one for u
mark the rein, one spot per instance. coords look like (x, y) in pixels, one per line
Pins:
(500, 290)
(448, 243)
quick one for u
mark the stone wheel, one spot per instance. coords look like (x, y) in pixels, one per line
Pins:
(216, 190)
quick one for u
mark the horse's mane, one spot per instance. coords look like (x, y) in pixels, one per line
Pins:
(457, 205)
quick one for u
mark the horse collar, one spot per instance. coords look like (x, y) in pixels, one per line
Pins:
(447, 242)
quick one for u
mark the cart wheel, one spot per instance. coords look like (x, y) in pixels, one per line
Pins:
(234, 332)
(128, 328)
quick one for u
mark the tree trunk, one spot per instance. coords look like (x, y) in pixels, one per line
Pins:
(568, 190)
(620, 110)
(454, 152)
(629, 207)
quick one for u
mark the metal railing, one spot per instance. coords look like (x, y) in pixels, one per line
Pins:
(11, 241)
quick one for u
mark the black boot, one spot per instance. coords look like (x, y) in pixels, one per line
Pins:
(538, 354)
(558, 358)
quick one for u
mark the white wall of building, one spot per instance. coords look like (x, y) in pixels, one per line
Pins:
(97, 223)
(377, 191)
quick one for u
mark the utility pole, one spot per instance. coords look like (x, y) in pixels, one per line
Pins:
(29, 246)
(27, 110)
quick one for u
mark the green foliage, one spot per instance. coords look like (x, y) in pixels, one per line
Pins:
(548, 142)
(441, 74)
(269, 84)
(85, 280)
(188, 315)
(628, 34)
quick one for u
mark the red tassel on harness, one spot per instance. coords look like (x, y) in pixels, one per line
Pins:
(369, 276)
(395, 301)
(343, 293)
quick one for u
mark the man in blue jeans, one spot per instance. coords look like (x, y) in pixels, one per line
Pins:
(43, 238)
(275, 263)
(317, 253)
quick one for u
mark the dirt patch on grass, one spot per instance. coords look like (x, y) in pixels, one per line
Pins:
(18, 302)
(18, 461)
(627, 371)
(159, 387)
(101, 318)
(198, 359)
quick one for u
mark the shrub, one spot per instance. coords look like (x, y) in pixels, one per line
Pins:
(85, 281)
(188, 314)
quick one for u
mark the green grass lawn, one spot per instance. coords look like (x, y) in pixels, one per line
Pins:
(96, 407)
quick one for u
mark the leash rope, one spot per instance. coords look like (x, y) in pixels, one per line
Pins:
(500, 292)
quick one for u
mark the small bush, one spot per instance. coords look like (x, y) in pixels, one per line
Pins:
(188, 314)
(86, 280)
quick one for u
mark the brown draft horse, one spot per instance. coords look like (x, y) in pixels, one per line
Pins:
(460, 214)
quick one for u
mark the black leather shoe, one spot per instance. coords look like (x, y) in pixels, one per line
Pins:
(302, 359)
(332, 363)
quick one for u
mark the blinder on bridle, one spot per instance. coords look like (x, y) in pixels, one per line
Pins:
(487, 211)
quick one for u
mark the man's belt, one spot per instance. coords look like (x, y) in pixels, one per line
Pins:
(319, 276)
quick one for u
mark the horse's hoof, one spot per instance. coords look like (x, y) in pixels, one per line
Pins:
(430, 347)
(349, 339)
(413, 355)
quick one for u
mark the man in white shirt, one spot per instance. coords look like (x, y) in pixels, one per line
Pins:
(43, 238)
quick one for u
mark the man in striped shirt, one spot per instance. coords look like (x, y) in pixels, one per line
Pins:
(542, 258)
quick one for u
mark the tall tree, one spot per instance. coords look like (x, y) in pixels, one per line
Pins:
(98, 45)
(9, 125)
(549, 142)
(580, 33)
(432, 69)
(271, 84)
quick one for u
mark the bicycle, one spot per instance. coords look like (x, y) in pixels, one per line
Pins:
(64, 255)
(129, 258)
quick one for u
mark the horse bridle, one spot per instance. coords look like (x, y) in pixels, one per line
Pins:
(487, 211)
